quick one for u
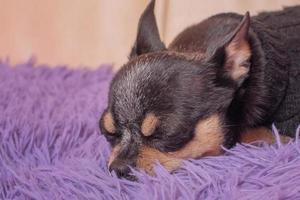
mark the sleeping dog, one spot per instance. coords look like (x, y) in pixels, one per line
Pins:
(222, 81)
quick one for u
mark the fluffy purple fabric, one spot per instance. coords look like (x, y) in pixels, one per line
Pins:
(51, 148)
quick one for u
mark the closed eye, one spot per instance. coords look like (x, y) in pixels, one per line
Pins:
(108, 129)
(113, 139)
(167, 143)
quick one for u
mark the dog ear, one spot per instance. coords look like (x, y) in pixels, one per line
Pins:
(235, 53)
(148, 39)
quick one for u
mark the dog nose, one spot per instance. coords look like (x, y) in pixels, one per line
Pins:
(121, 170)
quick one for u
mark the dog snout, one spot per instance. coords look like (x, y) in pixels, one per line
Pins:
(122, 170)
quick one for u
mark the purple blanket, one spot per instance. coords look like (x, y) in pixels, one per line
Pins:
(51, 148)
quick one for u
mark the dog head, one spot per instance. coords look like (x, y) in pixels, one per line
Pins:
(167, 106)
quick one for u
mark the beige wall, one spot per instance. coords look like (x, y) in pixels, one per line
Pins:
(91, 32)
(180, 14)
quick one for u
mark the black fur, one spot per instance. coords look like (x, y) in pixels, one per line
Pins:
(186, 83)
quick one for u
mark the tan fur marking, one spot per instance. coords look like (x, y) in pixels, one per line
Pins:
(114, 153)
(108, 123)
(148, 156)
(261, 134)
(149, 124)
(207, 140)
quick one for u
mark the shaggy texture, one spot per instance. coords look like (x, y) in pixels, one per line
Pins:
(51, 148)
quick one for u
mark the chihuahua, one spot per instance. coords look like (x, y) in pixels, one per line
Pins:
(222, 81)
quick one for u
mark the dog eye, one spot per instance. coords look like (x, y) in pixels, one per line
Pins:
(113, 139)
(153, 140)
(165, 143)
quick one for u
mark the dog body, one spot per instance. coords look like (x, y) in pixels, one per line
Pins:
(271, 92)
(217, 80)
